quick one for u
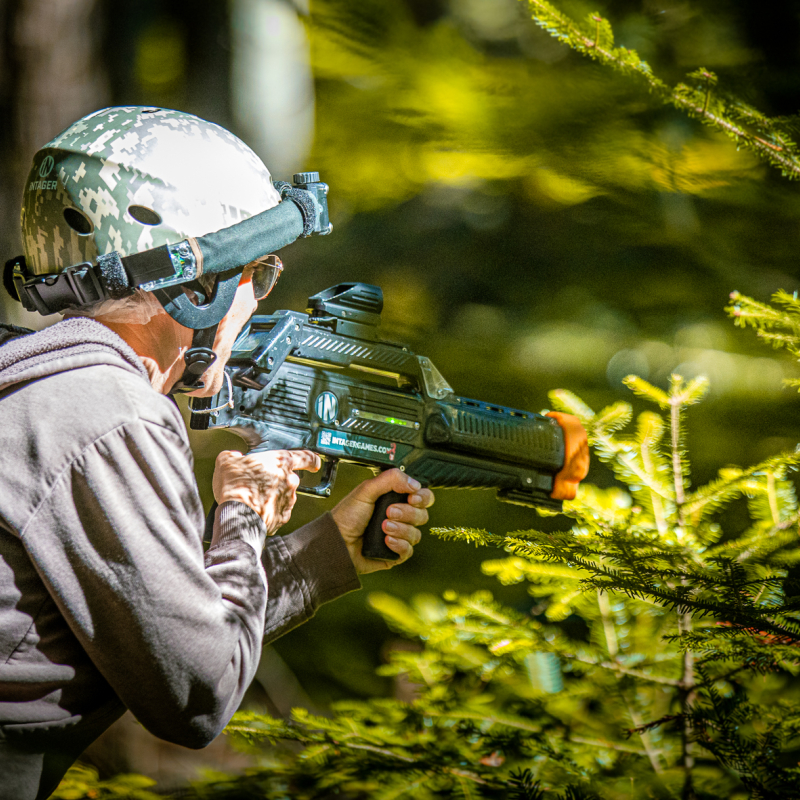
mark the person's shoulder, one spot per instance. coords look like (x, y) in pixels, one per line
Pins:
(97, 398)
(126, 397)
(58, 420)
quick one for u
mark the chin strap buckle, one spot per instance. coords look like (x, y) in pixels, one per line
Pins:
(197, 359)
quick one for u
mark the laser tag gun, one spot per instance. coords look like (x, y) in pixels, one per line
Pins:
(324, 381)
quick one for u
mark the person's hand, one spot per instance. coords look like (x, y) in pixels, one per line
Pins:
(266, 482)
(354, 512)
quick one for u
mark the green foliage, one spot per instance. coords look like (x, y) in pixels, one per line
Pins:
(771, 139)
(419, 106)
(779, 326)
(83, 782)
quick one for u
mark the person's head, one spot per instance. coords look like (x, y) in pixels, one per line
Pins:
(133, 178)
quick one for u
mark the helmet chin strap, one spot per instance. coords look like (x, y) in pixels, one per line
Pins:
(204, 319)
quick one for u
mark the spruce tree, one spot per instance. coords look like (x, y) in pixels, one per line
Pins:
(679, 683)
(770, 138)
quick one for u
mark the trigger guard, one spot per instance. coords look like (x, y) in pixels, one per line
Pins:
(326, 481)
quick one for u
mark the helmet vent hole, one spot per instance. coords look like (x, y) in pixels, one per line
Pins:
(144, 215)
(79, 222)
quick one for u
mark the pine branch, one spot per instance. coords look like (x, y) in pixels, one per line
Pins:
(620, 748)
(746, 126)
(779, 326)
(634, 673)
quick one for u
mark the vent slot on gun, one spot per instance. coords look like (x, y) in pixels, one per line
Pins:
(288, 400)
(325, 346)
(381, 430)
(331, 344)
(529, 436)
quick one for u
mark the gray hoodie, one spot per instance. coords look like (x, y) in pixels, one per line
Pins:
(107, 599)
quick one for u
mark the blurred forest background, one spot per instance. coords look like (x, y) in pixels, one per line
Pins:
(535, 220)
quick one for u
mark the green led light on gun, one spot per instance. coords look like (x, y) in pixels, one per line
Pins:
(380, 418)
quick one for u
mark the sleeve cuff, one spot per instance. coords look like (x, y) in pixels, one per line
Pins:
(237, 522)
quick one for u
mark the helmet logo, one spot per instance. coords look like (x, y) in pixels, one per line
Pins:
(46, 166)
(327, 407)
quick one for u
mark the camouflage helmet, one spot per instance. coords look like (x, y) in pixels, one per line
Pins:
(132, 178)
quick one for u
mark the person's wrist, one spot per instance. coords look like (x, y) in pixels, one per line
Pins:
(234, 521)
(240, 495)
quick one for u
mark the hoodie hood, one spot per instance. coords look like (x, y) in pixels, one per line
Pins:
(70, 344)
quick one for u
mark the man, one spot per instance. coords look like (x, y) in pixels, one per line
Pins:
(107, 600)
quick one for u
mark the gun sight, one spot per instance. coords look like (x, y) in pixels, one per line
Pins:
(351, 309)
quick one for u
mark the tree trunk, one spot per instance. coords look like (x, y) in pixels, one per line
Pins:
(52, 74)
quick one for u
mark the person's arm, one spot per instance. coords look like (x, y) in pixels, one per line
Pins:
(117, 541)
(322, 560)
(306, 568)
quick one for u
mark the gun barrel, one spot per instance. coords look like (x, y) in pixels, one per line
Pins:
(497, 432)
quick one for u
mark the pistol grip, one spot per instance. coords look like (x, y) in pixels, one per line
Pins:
(374, 545)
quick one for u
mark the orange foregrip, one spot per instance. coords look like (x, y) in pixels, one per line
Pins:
(576, 456)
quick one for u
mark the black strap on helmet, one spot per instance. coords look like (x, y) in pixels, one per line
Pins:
(197, 359)
(200, 356)
(178, 305)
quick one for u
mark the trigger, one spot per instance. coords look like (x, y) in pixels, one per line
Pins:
(327, 478)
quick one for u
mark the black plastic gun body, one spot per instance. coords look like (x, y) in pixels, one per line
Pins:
(325, 382)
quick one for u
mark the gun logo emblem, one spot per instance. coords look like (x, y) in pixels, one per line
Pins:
(327, 407)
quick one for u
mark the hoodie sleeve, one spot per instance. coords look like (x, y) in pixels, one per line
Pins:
(307, 568)
(176, 633)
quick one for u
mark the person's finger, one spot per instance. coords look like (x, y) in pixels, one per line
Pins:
(305, 460)
(403, 512)
(424, 498)
(401, 547)
(392, 480)
(400, 530)
(288, 459)
(287, 507)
